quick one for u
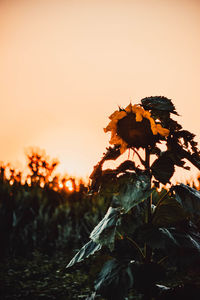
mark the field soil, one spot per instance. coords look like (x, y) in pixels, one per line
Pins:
(41, 277)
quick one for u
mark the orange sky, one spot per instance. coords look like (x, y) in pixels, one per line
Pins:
(66, 65)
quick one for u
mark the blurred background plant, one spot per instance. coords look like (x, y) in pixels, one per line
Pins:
(42, 211)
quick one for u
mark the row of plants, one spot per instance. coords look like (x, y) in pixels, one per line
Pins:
(41, 213)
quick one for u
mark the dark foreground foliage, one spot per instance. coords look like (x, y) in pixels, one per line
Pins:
(42, 277)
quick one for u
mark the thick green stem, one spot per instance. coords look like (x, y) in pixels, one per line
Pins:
(148, 250)
(137, 248)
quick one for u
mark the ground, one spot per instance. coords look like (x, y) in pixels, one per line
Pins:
(41, 277)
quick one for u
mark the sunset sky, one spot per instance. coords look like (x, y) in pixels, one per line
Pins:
(66, 65)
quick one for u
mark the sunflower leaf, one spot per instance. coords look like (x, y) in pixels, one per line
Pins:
(88, 249)
(133, 219)
(114, 280)
(104, 232)
(169, 212)
(163, 168)
(188, 197)
(158, 103)
(112, 153)
(171, 240)
(133, 191)
(157, 238)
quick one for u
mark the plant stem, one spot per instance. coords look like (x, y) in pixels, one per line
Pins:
(161, 199)
(136, 247)
(159, 203)
(148, 250)
(139, 156)
(162, 260)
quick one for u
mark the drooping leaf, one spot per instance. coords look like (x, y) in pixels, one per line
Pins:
(133, 219)
(112, 153)
(114, 280)
(188, 252)
(88, 249)
(133, 191)
(186, 141)
(168, 213)
(172, 241)
(126, 165)
(108, 181)
(188, 197)
(163, 168)
(158, 103)
(104, 232)
(96, 176)
(157, 238)
(178, 151)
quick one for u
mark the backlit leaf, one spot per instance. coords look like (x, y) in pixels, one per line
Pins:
(133, 191)
(104, 232)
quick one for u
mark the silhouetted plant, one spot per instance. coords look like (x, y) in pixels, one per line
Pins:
(40, 165)
(144, 232)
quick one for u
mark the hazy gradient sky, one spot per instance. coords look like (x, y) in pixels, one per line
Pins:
(66, 65)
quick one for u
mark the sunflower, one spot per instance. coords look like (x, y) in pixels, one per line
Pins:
(134, 127)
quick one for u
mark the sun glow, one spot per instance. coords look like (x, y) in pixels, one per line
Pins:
(69, 185)
(60, 185)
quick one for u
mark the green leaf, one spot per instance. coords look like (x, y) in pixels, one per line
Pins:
(88, 249)
(168, 213)
(114, 280)
(163, 168)
(133, 219)
(133, 191)
(188, 197)
(157, 238)
(171, 240)
(104, 232)
(158, 103)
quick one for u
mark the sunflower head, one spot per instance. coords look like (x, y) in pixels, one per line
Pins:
(134, 127)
